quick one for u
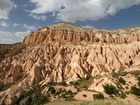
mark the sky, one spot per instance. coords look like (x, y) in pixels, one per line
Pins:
(19, 17)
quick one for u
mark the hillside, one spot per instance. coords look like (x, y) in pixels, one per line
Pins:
(68, 62)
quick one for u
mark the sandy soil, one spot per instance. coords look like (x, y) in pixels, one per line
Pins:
(72, 88)
(130, 81)
(131, 99)
(79, 95)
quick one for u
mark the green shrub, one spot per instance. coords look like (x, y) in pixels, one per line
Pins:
(122, 95)
(63, 96)
(138, 81)
(39, 99)
(74, 83)
(84, 95)
(121, 80)
(109, 89)
(62, 83)
(127, 87)
(98, 96)
(135, 73)
(52, 90)
(69, 92)
(85, 87)
(135, 90)
(127, 92)
(35, 99)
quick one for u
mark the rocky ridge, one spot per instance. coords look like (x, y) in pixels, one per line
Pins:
(64, 61)
(69, 32)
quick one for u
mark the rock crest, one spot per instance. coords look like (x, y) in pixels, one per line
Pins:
(68, 32)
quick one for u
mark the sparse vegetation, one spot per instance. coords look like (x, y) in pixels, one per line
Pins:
(135, 90)
(122, 95)
(34, 97)
(95, 102)
(109, 89)
(123, 73)
(85, 83)
(39, 99)
(52, 90)
(98, 96)
(10, 50)
(62, 93)
(7, 86)
(127, 87)
(84, 95)
(135, 73)
(138, 81)
(74, 83)
(25, 101)
(121, 80)
(62, 83)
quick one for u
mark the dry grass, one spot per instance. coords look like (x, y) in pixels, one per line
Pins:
(84, 84)
(95, 102)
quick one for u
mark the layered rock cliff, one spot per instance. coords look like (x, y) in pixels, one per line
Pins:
(68, 32)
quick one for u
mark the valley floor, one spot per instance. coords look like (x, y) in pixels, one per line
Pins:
(95, 102)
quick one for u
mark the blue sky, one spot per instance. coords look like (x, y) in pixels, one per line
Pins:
(19, 17)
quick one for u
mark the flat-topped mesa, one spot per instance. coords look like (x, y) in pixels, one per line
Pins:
(72, 33)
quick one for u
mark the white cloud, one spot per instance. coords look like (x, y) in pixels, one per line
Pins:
(53, 14)
(82, 10)
(26, 10)
(9, 38)
(3, 33)
(4, 24)
(38, 17)
(6, 41)
(15, 6)
(25, 26)
(16, 24)
(5, 7)
(28, 27)
(6, 38)
(88, 26)
(22, 34)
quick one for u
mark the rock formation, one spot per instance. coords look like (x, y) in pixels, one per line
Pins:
(62, 56)
(68, 32)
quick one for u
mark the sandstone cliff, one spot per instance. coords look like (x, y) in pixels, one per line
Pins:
(68, 32)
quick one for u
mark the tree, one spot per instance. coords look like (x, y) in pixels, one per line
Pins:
(109, 89)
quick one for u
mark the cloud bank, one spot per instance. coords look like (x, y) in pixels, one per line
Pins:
(6, 37)
(9, 38)
(81, 10)
(5, 7)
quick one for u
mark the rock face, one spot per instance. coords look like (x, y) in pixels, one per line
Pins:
(62, 61)
(68, 32)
